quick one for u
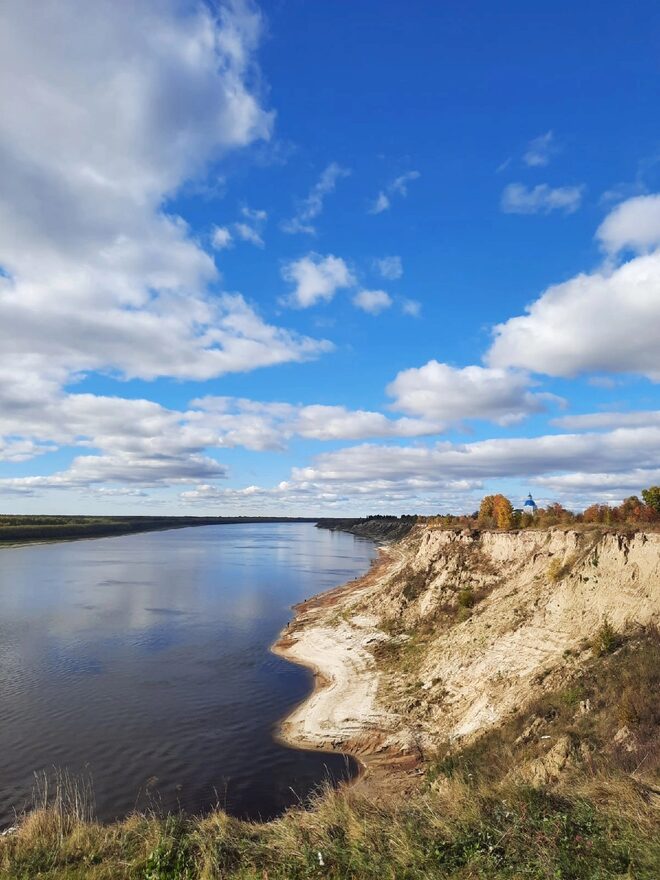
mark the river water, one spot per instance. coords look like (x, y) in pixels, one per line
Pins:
(143, 662)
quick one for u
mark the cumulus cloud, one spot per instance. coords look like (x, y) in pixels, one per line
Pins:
(140, 442)
(540, 199)
(596, 421)
(127, 441)
(451, 394)
(312, 497)
(316, 278)
(102, 118)
(540, 150)
(248, 233)
(411, 307)
(603, 322)
(618, 451)
(633, 225)
(372, 301)
(258, 425)
(446, 475)
(390, 268)
(398, 186)
(250, 228)
(600, 322)
(87, 470)
(310, 207)
(381, 203)
(19, 449)
(601, 485)
(221, 238)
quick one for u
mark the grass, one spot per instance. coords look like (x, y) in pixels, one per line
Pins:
(464, 832)
(616, 689)
(606, 639)
(470, 818)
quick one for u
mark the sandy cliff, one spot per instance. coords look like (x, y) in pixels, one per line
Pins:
(451, 632)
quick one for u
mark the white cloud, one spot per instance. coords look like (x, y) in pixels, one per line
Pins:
(604, 485)
(88, 470)
(540, 150)
(390, 268)
(616, 452)
(604, 322)
(633, 225)
(398, 186)
(310, 207)
(140, 442)
(221, 238)
(316, 278)
(102, 118)
(255, 215)
(450, 394)
(19, 449)
(596, 421)
(372, 301)
(381, 203)
(411, 307)
(313, 497)
(541, 199)
(251, 228)
(248, 233)
(260, 426)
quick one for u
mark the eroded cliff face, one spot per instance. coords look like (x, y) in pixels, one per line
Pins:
(509, 612)
(455, 631)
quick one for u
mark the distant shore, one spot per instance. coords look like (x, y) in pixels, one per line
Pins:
(18, 530)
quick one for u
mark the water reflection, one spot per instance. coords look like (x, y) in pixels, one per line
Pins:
(146, 657)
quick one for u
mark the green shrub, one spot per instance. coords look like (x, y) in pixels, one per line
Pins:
(606, 639)
(466, 598)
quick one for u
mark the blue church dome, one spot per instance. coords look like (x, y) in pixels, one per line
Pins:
(530, 504)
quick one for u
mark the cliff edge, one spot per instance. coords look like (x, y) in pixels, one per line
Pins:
(453, 632)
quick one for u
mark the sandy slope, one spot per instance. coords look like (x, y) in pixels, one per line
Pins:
(527, 631)
(331, 637)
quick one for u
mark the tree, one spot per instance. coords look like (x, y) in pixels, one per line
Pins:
(652, 497)
(503, 510)
(555, 514)
(486, 512)
(496, 511)
(630, 510)
(597, 513)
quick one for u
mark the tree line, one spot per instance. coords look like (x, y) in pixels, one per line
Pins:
(497, 512)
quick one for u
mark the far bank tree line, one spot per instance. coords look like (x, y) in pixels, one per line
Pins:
(497, 512)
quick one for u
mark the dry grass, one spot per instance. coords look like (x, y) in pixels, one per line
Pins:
(463, 830)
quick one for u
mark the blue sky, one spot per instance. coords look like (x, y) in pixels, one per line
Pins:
(310, 257)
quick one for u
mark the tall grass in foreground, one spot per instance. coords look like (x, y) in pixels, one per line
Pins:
(604, 829)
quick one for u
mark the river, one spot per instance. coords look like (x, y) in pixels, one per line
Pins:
(143, 663)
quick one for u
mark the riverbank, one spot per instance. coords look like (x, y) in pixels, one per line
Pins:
(343, 712)
(452, 631)
(18, 530)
